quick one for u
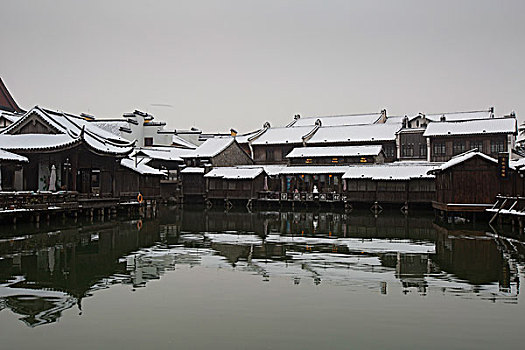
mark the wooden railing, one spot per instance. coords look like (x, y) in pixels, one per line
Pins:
(302, 196)
(36, 200)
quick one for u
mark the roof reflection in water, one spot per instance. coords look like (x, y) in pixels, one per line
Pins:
(43, 274)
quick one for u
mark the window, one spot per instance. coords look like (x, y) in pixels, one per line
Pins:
(459, 147)
(95, 177)
(497, 146)
(148, 141)
(335, 160)
(351, 185)
(439, 149)
(407, 150)
(476, 144)
(308, 161)
(232, 185)
(422, 150)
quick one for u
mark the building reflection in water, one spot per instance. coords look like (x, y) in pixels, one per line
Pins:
(43, 274)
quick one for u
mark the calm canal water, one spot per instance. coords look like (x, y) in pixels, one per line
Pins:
(267, 280)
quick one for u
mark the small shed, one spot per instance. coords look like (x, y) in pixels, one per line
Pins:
(470, 182)
(137, 178)
(218, 151)
(193, 185)
(235, 182)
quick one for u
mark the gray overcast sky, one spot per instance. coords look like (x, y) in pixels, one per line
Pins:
(238, 63)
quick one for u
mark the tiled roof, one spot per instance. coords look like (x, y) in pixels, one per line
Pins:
(339, 151)
(472, 127)
(355, 133)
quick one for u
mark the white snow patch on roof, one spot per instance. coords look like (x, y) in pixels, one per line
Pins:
(464, 157)
(341, 151)
(277, 136)
(180, 141)
(459, 116)
(211, 147)
(75, 126)
(112, 126)
(244, 138)
(482, 126)
(35, 141)
(5, 155)
(235, 172)
(356, 133)
(192, 170)
(337, 120)
(163, 153)
(141, 168)
(391, 171)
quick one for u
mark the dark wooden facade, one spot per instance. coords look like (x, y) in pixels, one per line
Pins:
(232, 155)
(306, 161)
(389, 147)
(391, 191)
(473, 185)
(130, 183)
(412, 144)
(272, 154)
(193, 187)
(305, 183)
(234, 189)
(443, 148)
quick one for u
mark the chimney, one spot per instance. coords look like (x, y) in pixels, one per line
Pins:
(383, 117)
(443, 118)
(405, 122)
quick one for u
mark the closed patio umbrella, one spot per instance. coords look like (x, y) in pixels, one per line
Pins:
(53, 179)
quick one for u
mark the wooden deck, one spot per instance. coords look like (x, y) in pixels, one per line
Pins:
(33, 205)
(461, 207)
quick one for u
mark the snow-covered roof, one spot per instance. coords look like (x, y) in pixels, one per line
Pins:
(5, 155)
(31, 142)
(113, 126)
(235, 172)
(327, 169)
(471, 127)
(11, 116)
(340, 151)
(279, 136)
(211, 147)
(162, 153)
(518, 163)
(177, 140)
(394, 119)
(141, 168)
(459, 116)
(391, 171)
(355, 133)
(460, 158)
(269, 169)
(245, 138)
(76, 128)
(336, 120)
(192, 170)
